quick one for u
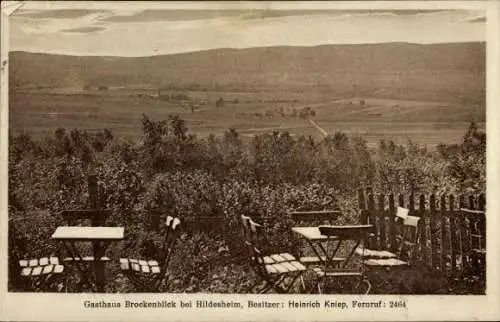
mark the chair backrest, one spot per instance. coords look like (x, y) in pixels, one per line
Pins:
(314, 217)
(171, 235)
(14, 252)
(97, 217)
(247, 235)
(402, 213)
(408, 237)
(254, 244)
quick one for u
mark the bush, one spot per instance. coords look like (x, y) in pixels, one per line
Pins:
(209, 183)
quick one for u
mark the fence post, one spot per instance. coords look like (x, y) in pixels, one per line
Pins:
(392, 228)
(93, 195)
(453, 234)
(381, 218)
(423, 228)
(362, 207)
(372, 220)
(444, 244)
(471, 202)
(361, 199)
(481, 202)
(464, 234)
(401, 203)
(482, 223)
(101, 201)
(433, 231)
(401, 200)
(411, 204)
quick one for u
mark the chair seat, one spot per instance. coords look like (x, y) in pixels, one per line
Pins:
(39, 262)
(40, 266)
(337, 273)
(86, 259)
(42, 270)
(390, 262)
(381, 254)
(277, 258)
(141, 266)
(285, 267)
(309, 260)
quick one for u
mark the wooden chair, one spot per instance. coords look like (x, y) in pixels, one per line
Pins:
(149, 274)
(401, 215)
(345, 239)
(38, 274)
(277, 271)
(405, 255)
(41, 272)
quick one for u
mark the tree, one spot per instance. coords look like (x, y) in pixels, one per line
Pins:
(467, 166)
(382, 147)
(340, 140)
(231, 148)
(220, 102)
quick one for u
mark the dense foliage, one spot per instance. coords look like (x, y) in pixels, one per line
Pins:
(210, 182)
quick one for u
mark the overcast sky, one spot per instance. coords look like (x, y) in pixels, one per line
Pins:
(137, 30)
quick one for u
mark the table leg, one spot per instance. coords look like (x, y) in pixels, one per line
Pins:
(351, 253)
(315, 250)
(318, 248)
(99, 249)
(79, 264)
(329, 258)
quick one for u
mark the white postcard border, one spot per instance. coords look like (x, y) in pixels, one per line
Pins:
(64, 307)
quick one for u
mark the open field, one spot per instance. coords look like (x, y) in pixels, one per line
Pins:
(249, 113)
(395, 91)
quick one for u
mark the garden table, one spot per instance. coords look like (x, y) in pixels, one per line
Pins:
(333, 266)
(312, 218)
(100, 237)
(314, 239)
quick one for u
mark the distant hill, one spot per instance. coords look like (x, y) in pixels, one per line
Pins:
(391, 69)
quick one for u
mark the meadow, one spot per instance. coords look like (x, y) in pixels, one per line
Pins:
(426, 122)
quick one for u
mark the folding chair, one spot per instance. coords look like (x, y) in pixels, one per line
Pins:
(41, 272)
(149, 274)
(278, 272)
(345, 239)
(38, 274)
(404, 257)
(401, 215)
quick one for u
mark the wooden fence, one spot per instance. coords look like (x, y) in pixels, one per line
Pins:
(451, 228)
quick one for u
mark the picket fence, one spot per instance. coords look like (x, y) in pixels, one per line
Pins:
(451, 228)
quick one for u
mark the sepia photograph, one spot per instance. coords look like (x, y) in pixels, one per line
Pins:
(245, 148)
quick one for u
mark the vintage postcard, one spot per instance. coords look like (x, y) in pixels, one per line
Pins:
(271, 161)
